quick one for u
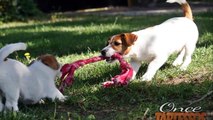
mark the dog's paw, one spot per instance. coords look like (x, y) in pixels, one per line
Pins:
(177, 62)
(62, 98)
(183, 68)
(146, 77)
(41, 101)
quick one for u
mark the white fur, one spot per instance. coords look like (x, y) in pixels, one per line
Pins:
(155, 44)
(5, 51)
(110, 50)
(178, 1)
(30, 84)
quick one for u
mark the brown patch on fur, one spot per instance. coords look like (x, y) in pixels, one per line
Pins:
(187, 10)
(122, 42)
(50, 61)
(128, 39)
(126, 51)
(116, 43)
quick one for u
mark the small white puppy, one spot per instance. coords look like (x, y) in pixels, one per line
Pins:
(28, 83)
(155, 44)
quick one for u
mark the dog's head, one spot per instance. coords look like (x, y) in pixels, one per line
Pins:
(50, 61)
(120, 43)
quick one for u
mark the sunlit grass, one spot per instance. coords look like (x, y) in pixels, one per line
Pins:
(82, 37)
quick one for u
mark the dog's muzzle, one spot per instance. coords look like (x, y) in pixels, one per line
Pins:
(103, 52)
(109, 60)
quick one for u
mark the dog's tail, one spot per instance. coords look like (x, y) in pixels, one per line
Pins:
(185, 7)
(8, 49)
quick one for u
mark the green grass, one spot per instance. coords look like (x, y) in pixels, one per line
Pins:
(79, 37)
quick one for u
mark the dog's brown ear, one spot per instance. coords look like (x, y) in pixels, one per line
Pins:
(50, 61)
(128, 39)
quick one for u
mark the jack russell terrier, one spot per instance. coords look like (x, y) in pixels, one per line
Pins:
(27, 83)
(155, 44)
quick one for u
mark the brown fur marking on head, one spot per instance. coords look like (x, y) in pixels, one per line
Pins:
(50, 61)
(128, 38)
(122, 42)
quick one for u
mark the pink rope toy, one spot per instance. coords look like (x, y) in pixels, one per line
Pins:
(122, 79)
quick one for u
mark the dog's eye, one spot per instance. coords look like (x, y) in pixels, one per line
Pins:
(117, 43)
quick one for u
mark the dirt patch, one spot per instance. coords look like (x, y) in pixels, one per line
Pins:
(197, 77)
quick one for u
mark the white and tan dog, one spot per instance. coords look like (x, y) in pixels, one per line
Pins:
(155, 44)
(28, 83)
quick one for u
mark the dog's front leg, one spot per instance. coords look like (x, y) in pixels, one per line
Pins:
(59, 96)
(135, 66)
(153, 66)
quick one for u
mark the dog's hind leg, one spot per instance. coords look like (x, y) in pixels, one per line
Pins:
(187, 57)
(179, 60)
(12, 100)
(1, 103)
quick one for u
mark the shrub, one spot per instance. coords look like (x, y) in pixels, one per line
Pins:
(17, 9)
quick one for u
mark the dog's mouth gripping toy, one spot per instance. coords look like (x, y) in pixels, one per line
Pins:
(122, 79)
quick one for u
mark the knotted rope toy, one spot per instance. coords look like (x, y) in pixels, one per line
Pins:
(122, 79)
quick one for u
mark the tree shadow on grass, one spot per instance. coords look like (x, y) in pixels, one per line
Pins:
(53, 37)
(203, 22)
(63, 37)
(60, 43)
(79, 35)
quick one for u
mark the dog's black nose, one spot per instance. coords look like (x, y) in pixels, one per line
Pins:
(103, 52)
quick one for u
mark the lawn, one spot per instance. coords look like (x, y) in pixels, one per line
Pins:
(72, 38)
